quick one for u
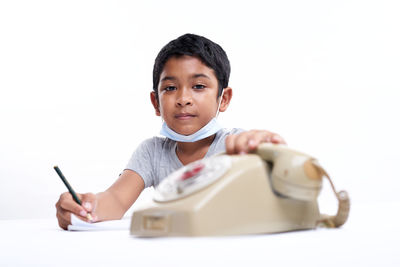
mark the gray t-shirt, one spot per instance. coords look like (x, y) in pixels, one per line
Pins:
(156, 158)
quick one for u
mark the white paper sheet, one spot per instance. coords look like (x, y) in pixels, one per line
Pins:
(79, 225)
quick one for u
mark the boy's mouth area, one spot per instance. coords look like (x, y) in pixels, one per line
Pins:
(184, 116)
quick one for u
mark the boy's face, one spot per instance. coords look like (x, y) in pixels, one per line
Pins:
(187, 94)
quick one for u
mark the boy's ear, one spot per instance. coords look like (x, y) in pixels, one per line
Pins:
(226, 99)
(155, 103)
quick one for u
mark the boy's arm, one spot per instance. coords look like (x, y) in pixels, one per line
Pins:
(108, 205)
(247, 141)
(116, 200)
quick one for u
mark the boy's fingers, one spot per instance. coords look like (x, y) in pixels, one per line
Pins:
(277, 139)
(64, 218)
(270, 137)
(89, 202)
(67, 203)
(62, 224)
(255, 139)
(249, 141)
(241, 143)
(230, 144)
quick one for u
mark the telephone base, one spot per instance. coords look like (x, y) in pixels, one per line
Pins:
(240, 202)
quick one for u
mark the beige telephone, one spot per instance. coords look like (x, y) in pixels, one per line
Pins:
(272, 190)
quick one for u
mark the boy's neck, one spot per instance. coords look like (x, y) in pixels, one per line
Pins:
(189, 152)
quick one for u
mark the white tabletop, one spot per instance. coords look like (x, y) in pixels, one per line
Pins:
(370, 238)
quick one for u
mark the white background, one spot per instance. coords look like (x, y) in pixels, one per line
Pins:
(75, 78)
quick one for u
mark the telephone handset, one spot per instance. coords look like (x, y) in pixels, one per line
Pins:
(299, 176)
(274, 189)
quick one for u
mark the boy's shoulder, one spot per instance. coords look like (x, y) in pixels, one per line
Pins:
(224, 132)
(157, 141)
(229, 131)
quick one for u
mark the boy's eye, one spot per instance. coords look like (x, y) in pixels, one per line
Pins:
(170, 88)
(199, 86)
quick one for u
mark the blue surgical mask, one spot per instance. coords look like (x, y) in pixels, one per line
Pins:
(207, 130)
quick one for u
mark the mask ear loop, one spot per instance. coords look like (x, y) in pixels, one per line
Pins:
(342, 214)
(219, 104)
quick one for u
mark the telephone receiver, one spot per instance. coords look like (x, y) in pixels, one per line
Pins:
(299, 176)
(273, 189)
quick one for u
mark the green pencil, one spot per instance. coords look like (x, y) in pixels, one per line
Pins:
(70, 189)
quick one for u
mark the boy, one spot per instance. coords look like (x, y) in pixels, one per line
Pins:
(190, 88)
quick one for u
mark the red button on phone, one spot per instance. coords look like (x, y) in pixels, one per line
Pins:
(192, 172)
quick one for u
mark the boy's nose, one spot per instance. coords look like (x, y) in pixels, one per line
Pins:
(184, 98)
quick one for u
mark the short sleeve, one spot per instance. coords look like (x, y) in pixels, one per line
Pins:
(141, 161)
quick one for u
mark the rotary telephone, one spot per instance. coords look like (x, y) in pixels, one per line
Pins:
(272, 190)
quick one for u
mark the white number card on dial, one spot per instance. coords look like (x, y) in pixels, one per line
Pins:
(192, 178)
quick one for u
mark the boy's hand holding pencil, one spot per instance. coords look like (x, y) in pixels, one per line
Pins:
(82, 205)
(67, 205)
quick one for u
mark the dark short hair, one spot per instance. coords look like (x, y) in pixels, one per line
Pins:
(210, 53)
